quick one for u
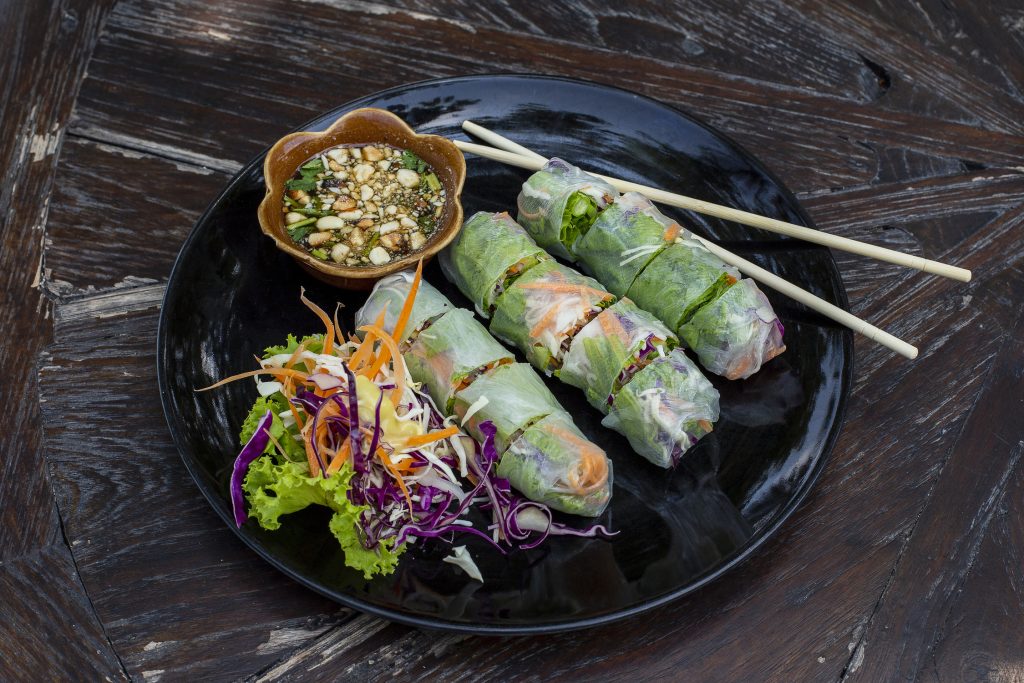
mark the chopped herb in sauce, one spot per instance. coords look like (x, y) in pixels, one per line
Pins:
(363, 205)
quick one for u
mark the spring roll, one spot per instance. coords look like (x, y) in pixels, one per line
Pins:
(487, 256)
(450, 353)
(737, 333)
(664, 409)
(559, 202)
(511, 396)
(389, 294)
(623, 239)
(681, 280)
(606, 353)
(552, 462)
(544, 309)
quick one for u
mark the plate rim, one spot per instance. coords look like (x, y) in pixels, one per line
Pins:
(558, 626)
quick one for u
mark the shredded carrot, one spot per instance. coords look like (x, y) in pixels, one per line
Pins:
(731, 279)
(611, 325)
(364, 353)
(591, 473)
(397, 362)
(341, 457)
(314, 466)
(337, 327)
(410, 298)
(286, 387)
(320, 313)
(422, 439)
(545, 321)
(672, 232)
(276, 372)
(386, 461)
(580, 289)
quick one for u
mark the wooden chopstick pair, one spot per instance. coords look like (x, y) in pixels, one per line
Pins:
(514, 154)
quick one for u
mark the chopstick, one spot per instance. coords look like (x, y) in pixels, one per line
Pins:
(532, 161)
(727, 213)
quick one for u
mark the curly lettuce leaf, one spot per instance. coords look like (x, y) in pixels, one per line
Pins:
(313, 342)
(277, 404)
(274, 490)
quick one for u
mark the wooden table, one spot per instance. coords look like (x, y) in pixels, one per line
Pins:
(897, 123)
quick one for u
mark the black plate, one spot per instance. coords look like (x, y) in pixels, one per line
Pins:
(231, 293)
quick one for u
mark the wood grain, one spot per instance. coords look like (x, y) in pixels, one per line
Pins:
(177, 591)
(897, 123)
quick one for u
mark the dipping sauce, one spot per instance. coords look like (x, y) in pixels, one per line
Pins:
(363, 205)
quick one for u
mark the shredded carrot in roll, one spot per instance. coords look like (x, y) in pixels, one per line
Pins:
(672, 232)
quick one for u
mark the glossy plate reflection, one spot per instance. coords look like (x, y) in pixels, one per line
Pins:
(232, 293)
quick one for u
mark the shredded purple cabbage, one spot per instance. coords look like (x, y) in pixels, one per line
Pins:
(250, 451)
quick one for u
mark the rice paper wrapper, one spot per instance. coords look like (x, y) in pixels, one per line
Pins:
(389, 295)
(544, 200)
(444, 354)
(664, 409)
(516, 397)
(623, 239)
(552, 462)
(736, 334)
(606, 345)
(679, 280)
(483, 252)
(541, 309)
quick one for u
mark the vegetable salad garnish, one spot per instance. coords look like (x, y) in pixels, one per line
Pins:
(339, 423)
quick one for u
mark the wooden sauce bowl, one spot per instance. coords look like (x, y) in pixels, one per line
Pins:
(361, 127)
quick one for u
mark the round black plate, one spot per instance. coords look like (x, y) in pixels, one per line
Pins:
(231, 293)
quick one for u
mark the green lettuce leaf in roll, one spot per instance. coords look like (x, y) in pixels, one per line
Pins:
(487, 256)
(558, 204)
(680, 280)
(623, 239)
(511, 396)
(542, 311)
(450, 353)
(737, 333)
(611, 348)
(664, 409)
(553, 463)
(389, 295)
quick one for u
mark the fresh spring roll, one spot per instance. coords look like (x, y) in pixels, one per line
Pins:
(664, 409)
(542, 311)
(737, 333)
(559, 202)
(389, 295)
(511, 396)
(449, 353)
(623, 239)
(680, 280)
(606, 353)
(552, 462)
(486, 257)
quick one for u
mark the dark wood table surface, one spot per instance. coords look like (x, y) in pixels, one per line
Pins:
(900, 123)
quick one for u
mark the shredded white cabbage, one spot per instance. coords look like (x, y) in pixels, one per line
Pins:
(461, 558)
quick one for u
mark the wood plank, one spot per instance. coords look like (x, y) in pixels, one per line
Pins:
(43, 48)
(113, 220)
(179, 594)
(47, 625)
(236, 110)
(981, 635)
(921, 599)
(703, 33)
